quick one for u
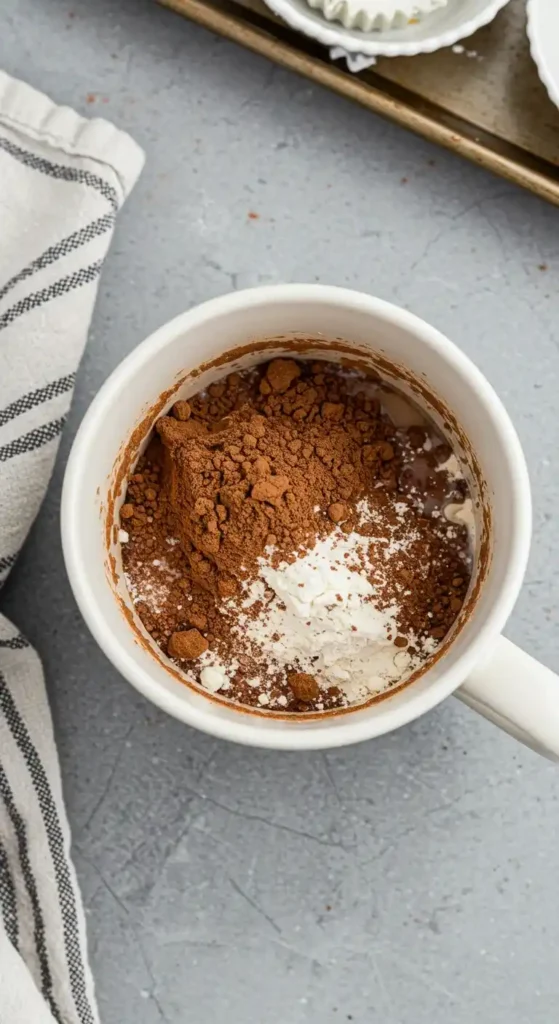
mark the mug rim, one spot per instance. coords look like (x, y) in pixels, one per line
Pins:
(354, 727)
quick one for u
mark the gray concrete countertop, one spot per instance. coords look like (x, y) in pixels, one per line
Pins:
(409, 880)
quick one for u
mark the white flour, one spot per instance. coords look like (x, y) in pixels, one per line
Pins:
(153, 589)
(452, 468)
(321, 613)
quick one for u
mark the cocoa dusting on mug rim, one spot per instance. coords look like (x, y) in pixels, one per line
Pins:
(375, 366)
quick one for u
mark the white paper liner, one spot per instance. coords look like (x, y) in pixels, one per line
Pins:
(376, 15)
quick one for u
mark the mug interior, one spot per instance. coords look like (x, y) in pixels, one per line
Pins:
(201, 346)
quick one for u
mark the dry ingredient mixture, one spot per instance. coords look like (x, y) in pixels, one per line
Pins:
(296, 537)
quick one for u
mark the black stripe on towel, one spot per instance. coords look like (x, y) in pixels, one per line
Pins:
(65, 284)
(58, 851)
(7, 562)
(34, 439)
(37, 397)
(8, 904)
(15, 643)
(29, 880)
(62, 248)
(61, 173)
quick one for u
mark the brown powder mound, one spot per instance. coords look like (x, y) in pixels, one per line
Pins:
(304, 686)
(241, 467)
(242, 474)
(187, 644)
(280, 374)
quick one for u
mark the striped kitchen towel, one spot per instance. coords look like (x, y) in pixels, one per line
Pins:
(62, 181)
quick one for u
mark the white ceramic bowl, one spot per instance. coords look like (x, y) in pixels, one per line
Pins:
(503, 683)
(543, 33)
(445, 27)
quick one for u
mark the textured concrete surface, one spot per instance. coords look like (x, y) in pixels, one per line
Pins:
(407, 881)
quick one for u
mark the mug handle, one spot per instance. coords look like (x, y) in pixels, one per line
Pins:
(517, 693)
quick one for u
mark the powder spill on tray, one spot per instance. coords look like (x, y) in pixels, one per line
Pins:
(288, 543)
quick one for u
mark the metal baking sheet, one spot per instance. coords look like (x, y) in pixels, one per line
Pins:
(486, 104)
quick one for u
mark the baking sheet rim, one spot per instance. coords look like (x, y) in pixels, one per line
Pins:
(424, 122)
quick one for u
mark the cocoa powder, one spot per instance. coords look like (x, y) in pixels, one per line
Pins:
(247, 466)
(272, 459)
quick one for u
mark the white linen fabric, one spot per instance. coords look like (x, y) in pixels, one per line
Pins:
(62, 181)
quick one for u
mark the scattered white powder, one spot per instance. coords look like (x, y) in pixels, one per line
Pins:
(213, 675)
(472, 54)
(452, 468)
(323, 616)
(365, 513)
(214, 678)
(153, 590)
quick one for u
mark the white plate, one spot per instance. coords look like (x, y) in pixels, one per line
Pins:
(459, 19)
(543, 33)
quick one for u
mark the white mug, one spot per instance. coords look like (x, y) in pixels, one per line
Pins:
(482, 668)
